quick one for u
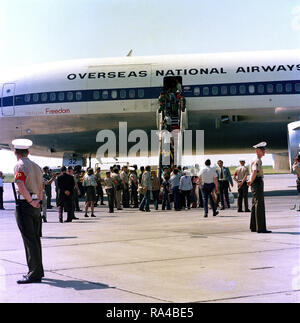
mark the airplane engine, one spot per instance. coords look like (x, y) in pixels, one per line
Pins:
(293, 140)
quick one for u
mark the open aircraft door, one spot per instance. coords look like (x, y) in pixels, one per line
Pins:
(8, 99)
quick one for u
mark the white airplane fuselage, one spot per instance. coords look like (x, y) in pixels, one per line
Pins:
(238, 99)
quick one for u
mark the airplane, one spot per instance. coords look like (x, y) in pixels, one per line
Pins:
(238, 99)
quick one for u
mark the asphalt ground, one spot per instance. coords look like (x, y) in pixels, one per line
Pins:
(161, 256)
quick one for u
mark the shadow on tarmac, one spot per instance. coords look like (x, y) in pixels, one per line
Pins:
(59, 238)
(291, 233)
(74, 284)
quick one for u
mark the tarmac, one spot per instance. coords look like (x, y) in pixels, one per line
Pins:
(161, 256)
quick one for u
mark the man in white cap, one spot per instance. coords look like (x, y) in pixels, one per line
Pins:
(240, 177)
(258, 217)
(29, 181)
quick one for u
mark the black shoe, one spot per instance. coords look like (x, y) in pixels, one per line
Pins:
(222, 208)
(68, 221)
(44, 219)
(2, 208)
(205, 215)
(93, 216)
(148, 211)
(216, 213)
(61, 220)
(78, 210)
(86, 216)
(266, 231)
(247, 210)
(102, 203)
(74, 218)
(240, 211)
(29, 280)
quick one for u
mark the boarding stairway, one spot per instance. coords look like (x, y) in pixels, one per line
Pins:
(170, 142)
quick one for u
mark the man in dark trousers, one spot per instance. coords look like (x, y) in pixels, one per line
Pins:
(1, 191)
(224, 180)
(66, 185)
(29, 181)
(258, 216)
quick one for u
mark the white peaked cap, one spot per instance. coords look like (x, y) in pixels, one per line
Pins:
(22, 143)
(260, 145)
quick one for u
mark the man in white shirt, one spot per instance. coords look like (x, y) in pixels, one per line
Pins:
(185, 188)
(1, 191)
(208, 180)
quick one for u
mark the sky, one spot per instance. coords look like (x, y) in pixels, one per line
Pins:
(38, 31)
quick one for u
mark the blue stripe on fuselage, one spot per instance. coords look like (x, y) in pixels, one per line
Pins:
(189, 91)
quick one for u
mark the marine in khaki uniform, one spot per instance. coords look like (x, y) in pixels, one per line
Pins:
(240, 177)
(29, 180)
(258, 217)
(110, 191)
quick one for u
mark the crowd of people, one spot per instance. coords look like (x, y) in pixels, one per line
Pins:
(129, 187)
(171, 104)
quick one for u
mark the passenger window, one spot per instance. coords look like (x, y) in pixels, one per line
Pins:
(122, 94)
(70, 96)
(215, 90)
(114, 94)
(270, 88)
(78, 96)
(35, 97)
(261, 89)
(224, 90)
(27, 98)
(242, 89)
(196, 91)
(18, 99)
(141, 93)
(288, 87)
(233, 89)
(105, 95)
(52, 97)
(297, 87)
(279, 88)
(251, 89)
(96, 95)
(132, 94)
(61, 96)
(206, 90)
(44, 97)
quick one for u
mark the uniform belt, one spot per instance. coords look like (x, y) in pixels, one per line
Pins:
(22, 198)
